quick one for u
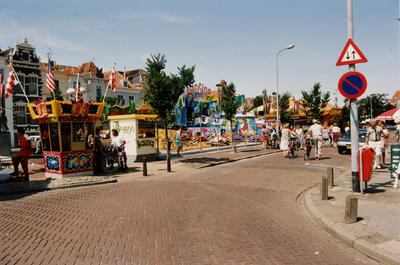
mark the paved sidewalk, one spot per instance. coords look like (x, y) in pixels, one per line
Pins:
(376, 232)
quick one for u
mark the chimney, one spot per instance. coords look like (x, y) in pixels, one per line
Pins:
(124, 72)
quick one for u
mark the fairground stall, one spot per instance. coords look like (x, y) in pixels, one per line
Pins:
(139, 133)
(64, 129)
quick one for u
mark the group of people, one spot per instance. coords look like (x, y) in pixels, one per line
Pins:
(321, 135)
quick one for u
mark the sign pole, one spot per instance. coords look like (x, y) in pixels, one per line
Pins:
(353, 110)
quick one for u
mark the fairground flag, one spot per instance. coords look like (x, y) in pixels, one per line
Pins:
(51, 85)
(111, 80)
(11, 82)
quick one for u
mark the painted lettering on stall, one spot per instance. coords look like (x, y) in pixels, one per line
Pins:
(78, 162)
(145, 143)
(122, 129)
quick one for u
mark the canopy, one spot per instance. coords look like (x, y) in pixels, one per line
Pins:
(393, 114)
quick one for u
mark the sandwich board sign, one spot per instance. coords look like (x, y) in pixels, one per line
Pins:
(351, 54)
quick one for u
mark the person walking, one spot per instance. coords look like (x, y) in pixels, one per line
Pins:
(264, 133)
(325, 135)
(178, 140)
(22, 156)
(300, 135)
(335, 134)
(373, 139)
(286, 134)
(316, 132)
(384, 141)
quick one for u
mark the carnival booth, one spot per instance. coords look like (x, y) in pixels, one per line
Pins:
(64, 129)
(139, 132)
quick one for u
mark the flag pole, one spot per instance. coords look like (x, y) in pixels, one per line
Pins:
(105, 94)
(23, 90)
(48, 60)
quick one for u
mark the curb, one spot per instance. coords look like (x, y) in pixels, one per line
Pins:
(367, 248)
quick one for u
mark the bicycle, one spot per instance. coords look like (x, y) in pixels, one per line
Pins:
(307, 148)
(293, 148)
(112, 161)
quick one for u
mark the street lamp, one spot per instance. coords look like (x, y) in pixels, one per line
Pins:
(294, 112)
(277, 83)
(372, 95)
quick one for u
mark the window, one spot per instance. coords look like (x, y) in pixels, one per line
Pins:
(20, 115)
(98, 91)
(19, 86)
(135, 80)
(32, 85)
(25, 56)
(120, 96)
(132, 98)
(125, 83)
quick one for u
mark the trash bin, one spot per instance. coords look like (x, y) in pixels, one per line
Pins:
(367, 163)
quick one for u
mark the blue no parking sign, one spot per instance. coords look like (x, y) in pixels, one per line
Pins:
(352, 84)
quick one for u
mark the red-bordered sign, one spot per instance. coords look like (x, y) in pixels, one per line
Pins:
(351, 54)
(352, 84)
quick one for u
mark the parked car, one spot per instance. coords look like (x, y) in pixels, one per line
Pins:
(344, 143)
(33, 138)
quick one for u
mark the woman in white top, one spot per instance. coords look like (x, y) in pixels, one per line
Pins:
(336, 133)
(285, 139)
(383, 142)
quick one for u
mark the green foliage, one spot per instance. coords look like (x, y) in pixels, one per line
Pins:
(163, 91)
(229, 102)
(132, 106)
(314, 101)
(111, 100)
(379, 105)
(257, 101)
(284, 105)
(58, 94)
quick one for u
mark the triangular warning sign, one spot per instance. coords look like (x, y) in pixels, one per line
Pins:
(351, 54)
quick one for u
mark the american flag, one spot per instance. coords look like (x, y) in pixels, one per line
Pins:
(51, 85)
(111, 80)
(11, 82)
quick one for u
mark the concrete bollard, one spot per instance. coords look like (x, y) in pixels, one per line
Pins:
(144, 167)
(351, 210)
(329, 172)
(324, 188)
(168, 164)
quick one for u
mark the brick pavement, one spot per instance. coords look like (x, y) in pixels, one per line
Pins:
(237, 213)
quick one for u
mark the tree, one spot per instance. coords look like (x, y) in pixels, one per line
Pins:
(229, 105)
(57, 93)
(314, 101)
(163, 91)
(284, 111)
(257, 101)
(379, 105)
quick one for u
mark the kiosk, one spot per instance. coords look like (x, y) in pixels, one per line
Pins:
(64, 129)
(138, 131)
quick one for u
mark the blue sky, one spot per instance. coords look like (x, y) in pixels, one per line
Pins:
(228, 39)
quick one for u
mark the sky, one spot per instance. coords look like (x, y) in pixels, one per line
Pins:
(235, 41)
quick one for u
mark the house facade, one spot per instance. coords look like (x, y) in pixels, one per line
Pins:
(26, 64)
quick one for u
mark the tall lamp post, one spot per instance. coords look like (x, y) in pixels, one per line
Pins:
(277, 83)
(372, 95)
(294, 112)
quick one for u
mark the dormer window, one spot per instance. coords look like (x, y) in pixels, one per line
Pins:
(25, 56)
(125, 83)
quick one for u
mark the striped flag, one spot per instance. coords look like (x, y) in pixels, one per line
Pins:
(77, 89)
(51, 85)
(11, 82)
(111, 80)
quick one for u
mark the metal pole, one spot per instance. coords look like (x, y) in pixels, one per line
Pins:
(353, 110)
(294, 112)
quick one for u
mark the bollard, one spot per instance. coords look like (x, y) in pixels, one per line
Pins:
(168, 164)
(324, 188)
(144, 167)
(329, 171)
(351, 209)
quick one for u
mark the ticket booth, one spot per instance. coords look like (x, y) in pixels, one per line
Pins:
(139, 132)
(65, 128)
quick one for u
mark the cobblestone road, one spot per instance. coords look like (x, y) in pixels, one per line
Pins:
(247, 212)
